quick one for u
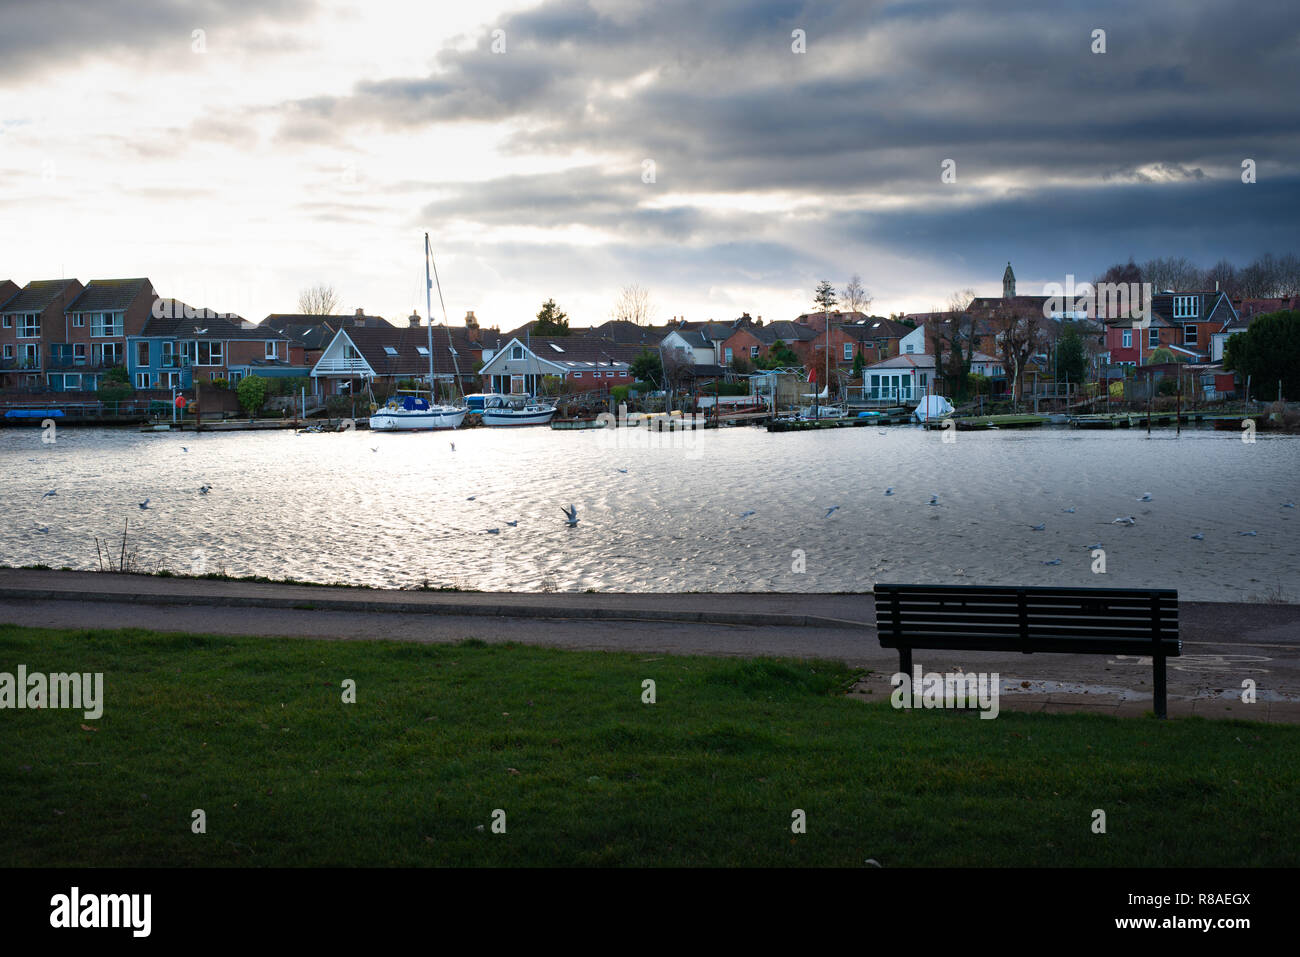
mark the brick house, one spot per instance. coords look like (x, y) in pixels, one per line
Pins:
(180, 345)
(383, 353)
(30, 321)
(584, 363)
(1183, 322)
(94, 331)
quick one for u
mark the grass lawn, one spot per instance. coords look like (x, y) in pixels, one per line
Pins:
(253, 731)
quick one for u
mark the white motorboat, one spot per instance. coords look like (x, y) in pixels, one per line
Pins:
(411, 413)
(500, 410)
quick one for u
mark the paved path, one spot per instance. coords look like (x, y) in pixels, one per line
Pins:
(1223, 644)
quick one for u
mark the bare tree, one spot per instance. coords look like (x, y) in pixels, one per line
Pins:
(1222, 275)
(1019, 334)
(634, 305)
(1170, 273)
(855, 297)
(954, 332)
(318, 300)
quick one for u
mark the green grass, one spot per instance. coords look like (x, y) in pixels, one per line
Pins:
(253, 731)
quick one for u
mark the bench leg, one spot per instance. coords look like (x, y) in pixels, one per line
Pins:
(1161, 703)
(905, 661)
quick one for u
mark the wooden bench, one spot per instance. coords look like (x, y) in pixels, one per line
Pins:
(1075, 621)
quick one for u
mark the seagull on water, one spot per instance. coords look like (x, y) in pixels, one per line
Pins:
(185, 448)
(453, 446)
(1199, 536)
(1248, 533)
(1068, 511)
(1130, 520)
(374, 449)
(204, 489)
(934, 500)
(1146, 497)
(1054, 561)
(1039, 528)
(1094, 545)
(513, 524)
(571, 515)
(494, 531)
(43, 529)
(53, 491)
(747, 514)
(1288, 504)
(470, 498)
(830, 510)
(624, 471)
(890, 490)
(144, 504)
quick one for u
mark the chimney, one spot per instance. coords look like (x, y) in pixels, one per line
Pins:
(760, 320)
(414, 320)
(470, 321)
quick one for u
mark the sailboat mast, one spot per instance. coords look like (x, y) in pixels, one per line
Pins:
(455, 362)
(428, 309)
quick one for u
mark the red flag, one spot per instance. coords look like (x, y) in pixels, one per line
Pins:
(812, 373)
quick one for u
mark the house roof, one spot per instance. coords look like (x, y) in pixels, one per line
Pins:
(877, 327)
(110, 295)
(909, 360)
(993, 304)
(205, 325)
(313, 332)
(783, 329)
(1249, 308)
(692, 337)
(37, 295)
(8, 289)
(574, 353)
(397, 351)
(620, 330)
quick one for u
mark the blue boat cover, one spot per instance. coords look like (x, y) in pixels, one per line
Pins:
(34, 414)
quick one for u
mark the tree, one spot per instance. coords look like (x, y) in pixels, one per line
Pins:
(855, 297)
(824, 296)
(1071, 356)
(779, 356)
(1170, 273)
(1269, 353)
(1160, 356)
(634, 305)
(551, 320)
(1018, 333)
(648, 367)
(318, 300)
(252, 393)
(859, 363)
(954, 333)
(1223, 276)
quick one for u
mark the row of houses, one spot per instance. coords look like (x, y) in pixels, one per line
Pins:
(61, 335)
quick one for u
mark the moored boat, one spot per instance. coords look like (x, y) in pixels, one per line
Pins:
(500, 410)
(411, 413)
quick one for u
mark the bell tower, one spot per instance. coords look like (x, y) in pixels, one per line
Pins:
(1008, 283)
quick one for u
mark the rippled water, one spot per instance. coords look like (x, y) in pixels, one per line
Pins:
(393, 510)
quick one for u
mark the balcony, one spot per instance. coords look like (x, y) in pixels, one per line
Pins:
(80, 364)
(20, 365)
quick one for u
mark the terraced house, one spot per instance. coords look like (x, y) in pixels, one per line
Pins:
(180, 344)
(30, 322)
(92, 334)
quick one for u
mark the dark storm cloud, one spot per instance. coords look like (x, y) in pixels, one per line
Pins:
(47, 35)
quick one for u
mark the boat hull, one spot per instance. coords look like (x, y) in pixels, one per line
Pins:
(415, 421)
(496, 418)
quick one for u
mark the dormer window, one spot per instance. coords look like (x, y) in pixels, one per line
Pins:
(1184, 307)
(270, 349)
(517, 352)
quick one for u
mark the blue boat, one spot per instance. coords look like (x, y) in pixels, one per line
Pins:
(34, 414)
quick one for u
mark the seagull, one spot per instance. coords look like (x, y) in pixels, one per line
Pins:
(204, 489)
(1068, 511)
(890, 490)
(453, 446)
(43, 529)
(1146, 497)
(1039, 528)
(144, 504)
(747, 514)
(1248, 533)
(185, 448)
(513, 524)
(830, 510)
(53, 491)
(1125, 521)
(1094, 545)
(882, 431)
(934, 500)
(1054, 561)
(470, 498)
(374, 450)
(1199, 536)
(1288, 504)
(571, 514)
(494, 531)
(624, 471)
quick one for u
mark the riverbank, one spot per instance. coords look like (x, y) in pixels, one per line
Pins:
(474, 754)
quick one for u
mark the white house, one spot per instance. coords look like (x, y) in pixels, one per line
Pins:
(913, 343)
(694, 342)
(904, 378)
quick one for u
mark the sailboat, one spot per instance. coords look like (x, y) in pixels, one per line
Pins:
(410, 411)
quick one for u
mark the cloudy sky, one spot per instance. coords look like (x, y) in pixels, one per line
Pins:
(290, 142)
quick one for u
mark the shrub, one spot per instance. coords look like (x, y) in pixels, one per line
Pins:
(252, 393)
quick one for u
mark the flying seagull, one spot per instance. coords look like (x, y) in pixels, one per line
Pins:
(830, 510)
(453, 446)
(53, 491)
(571, 515)
(374, 450)
(934, 500)
(144, 504)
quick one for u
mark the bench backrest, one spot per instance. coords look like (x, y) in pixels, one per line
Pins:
(1001, 618)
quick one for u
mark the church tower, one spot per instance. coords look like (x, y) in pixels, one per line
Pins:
(1008, 283)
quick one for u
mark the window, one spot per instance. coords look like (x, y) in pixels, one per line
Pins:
(31, 356)
(169, 355)
(910, 347)
(142, 380)
(1153, 338)
(1128, 338)
(555, 347)
(390, 352)
(205, 353)
(753, 352)
(142, 357)
(9, 322)
(1189, 334)
(29, 325)
(107, 353)
(577, 375)
(105, 323)
(172, 379)
(924, 379)
(728, 359)
(271, 349)
(422, 350)
(9, 351)
(1184, 307)
(78, 320)
(517, 352)
(848, 352)
(79, 354)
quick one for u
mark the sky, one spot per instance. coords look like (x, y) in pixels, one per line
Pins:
(724, 155)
